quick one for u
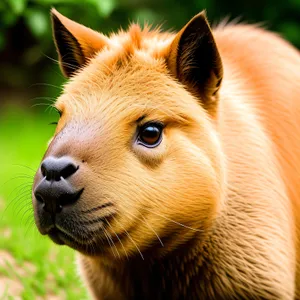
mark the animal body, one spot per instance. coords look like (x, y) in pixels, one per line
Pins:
(174, 170)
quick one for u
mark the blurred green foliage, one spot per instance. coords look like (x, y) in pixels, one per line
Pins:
(30, 78)
(27, 52)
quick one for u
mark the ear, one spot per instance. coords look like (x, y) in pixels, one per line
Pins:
(75, 43)
(194, 59)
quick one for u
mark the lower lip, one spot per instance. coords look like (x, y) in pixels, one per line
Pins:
(61, 238)
(55, 235)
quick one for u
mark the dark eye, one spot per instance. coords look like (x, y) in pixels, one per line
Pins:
(150, 135)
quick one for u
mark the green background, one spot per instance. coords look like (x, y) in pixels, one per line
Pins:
(26, 47)
(30, 80)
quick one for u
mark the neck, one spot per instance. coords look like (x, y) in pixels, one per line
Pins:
(198, 269)
(174, 275)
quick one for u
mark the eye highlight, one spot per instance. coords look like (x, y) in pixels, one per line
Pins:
(150, 134)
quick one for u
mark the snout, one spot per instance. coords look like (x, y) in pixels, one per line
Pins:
(54, 191)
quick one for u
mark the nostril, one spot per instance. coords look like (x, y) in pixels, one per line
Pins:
(69, 199)
(68, 170)
(52, 197)
(39, 198)
(43, 170)
(56, 168)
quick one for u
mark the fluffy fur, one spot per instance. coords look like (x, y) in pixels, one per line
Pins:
(213, 211)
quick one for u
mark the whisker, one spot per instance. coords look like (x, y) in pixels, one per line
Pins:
(45, 84)
(41, 104)
(29, 226)
(21, 200)
(24, 166)
(109, 236)
(24, 205)
(48, 106)
(18, 177)
(49, 99)
(18, 188)
(148, 226)
(24, 188)
(130, 238)
(91, 241)
(26, 212)
(178, 223)
(91, 222)
(13, 202)
(162, 244)
(110, 245)
(117, 237)
(97, 220)
(97, 208)
(71, 66)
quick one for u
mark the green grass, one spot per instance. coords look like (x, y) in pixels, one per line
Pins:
(47, 269)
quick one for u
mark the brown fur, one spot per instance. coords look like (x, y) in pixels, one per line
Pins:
(222, 189)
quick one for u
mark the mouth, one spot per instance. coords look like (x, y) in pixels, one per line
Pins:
(86, 236)
(61, 237)
(56, 236)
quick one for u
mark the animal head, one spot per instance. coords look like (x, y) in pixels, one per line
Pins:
(135, 161)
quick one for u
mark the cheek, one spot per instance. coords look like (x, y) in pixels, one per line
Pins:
(124, 187)
(186, 186)
(189, 187)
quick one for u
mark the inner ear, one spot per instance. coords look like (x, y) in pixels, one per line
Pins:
(70, 54)
(75, 43)
(194, 59)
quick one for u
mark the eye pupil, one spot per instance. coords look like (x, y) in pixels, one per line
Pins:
(150, 135)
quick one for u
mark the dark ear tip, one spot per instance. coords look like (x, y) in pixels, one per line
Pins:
(198, 22)
(53, 15)
(202, 16)
(56, 23)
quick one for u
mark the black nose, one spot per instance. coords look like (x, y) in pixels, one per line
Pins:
(56, 168)
(54, 191)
